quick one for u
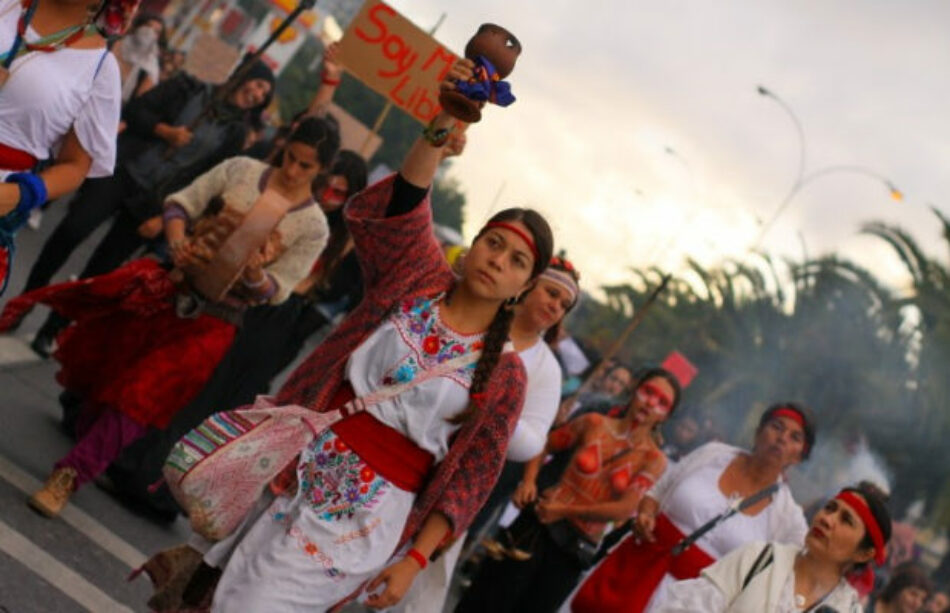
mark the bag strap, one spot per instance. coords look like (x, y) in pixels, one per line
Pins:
(391, 391)
(761, 563)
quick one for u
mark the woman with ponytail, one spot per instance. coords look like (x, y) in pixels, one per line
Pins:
(374, 496)
(614, 462)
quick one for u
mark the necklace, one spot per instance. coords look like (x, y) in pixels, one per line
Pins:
(45, 44)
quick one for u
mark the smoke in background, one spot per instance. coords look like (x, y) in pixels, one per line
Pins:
(836, 463)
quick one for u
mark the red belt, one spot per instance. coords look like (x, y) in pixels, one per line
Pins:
(15, 159)
(392, 455)
(626, 580)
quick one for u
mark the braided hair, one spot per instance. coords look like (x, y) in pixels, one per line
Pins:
(497, 334)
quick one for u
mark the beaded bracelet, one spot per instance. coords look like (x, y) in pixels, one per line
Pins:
(437, 137)
(329, 80)
(418, 557)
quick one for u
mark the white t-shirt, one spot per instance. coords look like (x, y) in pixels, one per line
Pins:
(49, 93)
(542, 395)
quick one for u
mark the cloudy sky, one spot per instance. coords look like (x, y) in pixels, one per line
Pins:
(638, 130)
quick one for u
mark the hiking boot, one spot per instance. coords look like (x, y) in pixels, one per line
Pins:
(53, 496)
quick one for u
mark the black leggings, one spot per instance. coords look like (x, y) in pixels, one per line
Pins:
(96, 201)
(537, 585)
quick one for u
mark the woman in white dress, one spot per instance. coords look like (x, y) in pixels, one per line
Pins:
(542, 310)
(698, 488)
(847, 534)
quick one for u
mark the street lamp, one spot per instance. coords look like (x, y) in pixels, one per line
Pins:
(801, 179)
(895, 193)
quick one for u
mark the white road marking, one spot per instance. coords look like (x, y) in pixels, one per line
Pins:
(15, 350)
(75, 517)
(65, 579)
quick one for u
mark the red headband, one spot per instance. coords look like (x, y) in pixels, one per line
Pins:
(794, 416)
(791, 414)
(870, 524)
(521, 233)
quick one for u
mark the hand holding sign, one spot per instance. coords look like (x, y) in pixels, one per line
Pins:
(493, 52)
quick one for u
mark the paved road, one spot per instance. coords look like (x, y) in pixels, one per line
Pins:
(80, 561)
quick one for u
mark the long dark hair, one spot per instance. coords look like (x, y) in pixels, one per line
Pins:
(497, 333)
(352, 167)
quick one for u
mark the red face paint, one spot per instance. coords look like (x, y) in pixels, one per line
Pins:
(652, 396)
(587, 461)
(332, 197)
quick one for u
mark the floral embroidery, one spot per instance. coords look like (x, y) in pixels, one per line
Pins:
(430, 342)
(358, 534)
(336, 482)
(309, 547)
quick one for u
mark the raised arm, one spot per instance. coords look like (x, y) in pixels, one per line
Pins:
(330, 78)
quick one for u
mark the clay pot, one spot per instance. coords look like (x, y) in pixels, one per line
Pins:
(498, 46)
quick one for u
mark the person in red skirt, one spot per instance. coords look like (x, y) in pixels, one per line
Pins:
(144, 341)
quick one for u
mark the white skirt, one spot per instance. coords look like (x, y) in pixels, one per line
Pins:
(309, 552)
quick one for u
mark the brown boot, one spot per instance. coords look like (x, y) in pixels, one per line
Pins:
(53, 496)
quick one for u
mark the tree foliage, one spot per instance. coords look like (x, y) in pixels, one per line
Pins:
(824, 332)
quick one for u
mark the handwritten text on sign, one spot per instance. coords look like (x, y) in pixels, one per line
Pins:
(394, 57)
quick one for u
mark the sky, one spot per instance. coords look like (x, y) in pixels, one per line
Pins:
(639, 133)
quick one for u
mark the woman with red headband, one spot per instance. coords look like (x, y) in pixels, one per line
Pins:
(60, 91)
(374, 496)
(846, 535)
(539, 315)
(614, 462)
(700, 487)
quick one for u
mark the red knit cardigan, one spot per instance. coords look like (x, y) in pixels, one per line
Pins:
(400, 260)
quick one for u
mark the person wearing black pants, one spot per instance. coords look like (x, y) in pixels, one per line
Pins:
(170, 139)
(552, 572)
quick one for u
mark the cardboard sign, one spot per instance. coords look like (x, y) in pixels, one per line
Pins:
(353, 133)
(681, 367)
(394, 57)
(215, 279)
(210, 59)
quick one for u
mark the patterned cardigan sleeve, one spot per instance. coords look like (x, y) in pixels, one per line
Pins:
(399, 255)
(463, 481)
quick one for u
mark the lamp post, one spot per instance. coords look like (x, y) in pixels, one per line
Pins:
(895, 193)
(802, 179)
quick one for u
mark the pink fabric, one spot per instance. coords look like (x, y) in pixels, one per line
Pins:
(103, 438)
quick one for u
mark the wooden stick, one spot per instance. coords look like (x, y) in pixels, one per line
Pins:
(615, 348)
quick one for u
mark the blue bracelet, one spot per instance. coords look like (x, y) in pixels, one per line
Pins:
(32, 191)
